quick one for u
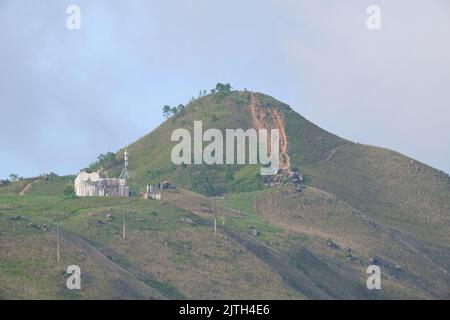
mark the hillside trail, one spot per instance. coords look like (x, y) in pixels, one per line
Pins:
(328, 157)
(270, 118)
(27, 187)
(130, 278)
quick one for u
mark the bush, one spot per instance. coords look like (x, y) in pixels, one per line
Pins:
(69, 191)
(105, 161)
(223, 88)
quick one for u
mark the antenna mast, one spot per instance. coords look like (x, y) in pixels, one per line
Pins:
(124, 174)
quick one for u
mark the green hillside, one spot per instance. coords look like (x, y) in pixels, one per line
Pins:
(150, 156)
(357, 205)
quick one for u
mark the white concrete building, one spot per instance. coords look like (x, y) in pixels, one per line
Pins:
(91, 185)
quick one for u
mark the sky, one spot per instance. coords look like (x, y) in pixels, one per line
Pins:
(68, 95)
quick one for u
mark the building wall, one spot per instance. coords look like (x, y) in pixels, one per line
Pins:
(85, 189)
(104, 187)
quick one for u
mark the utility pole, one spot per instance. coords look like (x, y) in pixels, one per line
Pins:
(215, 216)
(224, 210)
(123, 232)
(57, 242)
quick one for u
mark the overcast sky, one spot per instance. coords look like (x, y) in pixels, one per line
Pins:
(68, 95)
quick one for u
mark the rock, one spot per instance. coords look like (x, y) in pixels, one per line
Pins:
(331, 244)
(165, 185)
(187, 220)
(109, 216)
(398, 267)
(373, 260)
(255, 232)
(42, 227)
(206, 210)
(349, 254)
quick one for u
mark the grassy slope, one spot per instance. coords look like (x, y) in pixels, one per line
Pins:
(384, 184)
(390, 187)
(162, 257)
(150, 156)
(311, 218)
(288, 259)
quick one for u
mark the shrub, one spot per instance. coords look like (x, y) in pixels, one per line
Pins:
(69, 191)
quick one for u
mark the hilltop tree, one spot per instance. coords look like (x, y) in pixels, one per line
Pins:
(167, 111)
(174, 110)
(223, 88)
(14, 177)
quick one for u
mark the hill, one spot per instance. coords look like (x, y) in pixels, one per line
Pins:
(357, 205)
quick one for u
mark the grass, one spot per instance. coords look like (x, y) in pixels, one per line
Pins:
(390, 187)
(52, 187)
(244, 203)
(168, 256)
(349, 185)
(150, 160)
(166, 288)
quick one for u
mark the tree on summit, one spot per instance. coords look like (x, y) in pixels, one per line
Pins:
(15, 177)
(223, 88)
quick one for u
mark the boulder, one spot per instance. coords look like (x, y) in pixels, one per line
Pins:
(331, 244)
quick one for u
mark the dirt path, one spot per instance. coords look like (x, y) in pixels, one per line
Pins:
(27, 187)
(329, 155)
(265, 118)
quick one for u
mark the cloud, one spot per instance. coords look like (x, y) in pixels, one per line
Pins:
(66, 96)
(388, 87)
